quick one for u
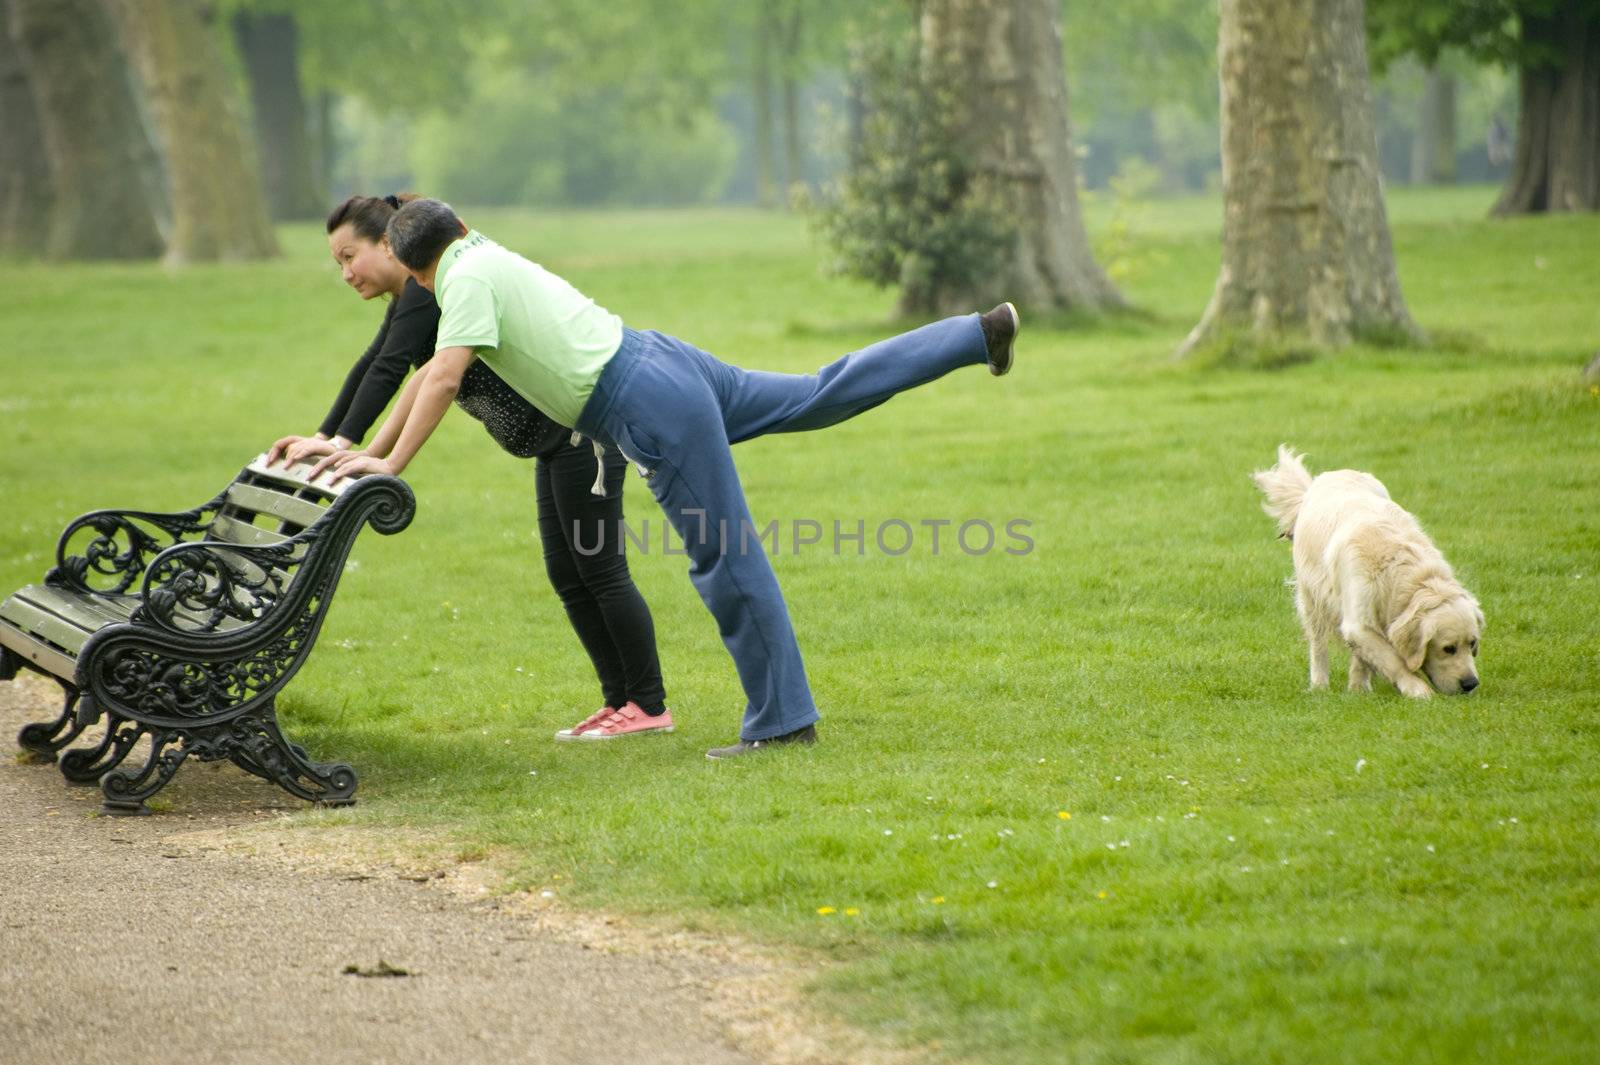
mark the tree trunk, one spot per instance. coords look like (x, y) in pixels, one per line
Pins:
(1006, 55)
(95, 143)
(793, 151)
(24, 172)
(325, 139)
(1305, 237)
(856, 121)
(269, 48)
(766, 162)
(217, 208)
(1433, 152)
(1557, 161)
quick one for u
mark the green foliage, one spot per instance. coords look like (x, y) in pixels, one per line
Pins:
(1143, 80)
(537, 140)
(1487, 30)
(1137, 53)
(909, 212)
(1118, 246)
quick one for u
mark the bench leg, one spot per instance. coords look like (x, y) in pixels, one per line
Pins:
(42, 739)
(125, 792)
(88, 764)
(265, 752)
(254, 743)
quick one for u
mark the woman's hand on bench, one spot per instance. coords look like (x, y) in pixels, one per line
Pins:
(293, 449)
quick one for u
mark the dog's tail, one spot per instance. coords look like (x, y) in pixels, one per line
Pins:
(1284, 486)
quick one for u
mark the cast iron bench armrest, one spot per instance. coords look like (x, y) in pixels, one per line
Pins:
(124, 540)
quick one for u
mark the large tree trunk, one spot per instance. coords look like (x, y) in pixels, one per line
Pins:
(794, 170)
(217, 208)
(269, 47)
(94, 139)
(766, 162)
(1305, 237)
(1433, 152)
(1557, 161)
(1006, 55)
(24, 173)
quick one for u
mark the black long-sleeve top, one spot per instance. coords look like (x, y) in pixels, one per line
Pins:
(405, 341)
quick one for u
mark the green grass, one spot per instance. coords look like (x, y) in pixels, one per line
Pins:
(1230, 886)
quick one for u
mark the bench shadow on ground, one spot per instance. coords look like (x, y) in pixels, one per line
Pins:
(216, 793)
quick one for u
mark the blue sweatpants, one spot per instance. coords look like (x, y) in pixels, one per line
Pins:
(674, 410)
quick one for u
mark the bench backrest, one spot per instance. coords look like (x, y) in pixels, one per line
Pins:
(268, 504)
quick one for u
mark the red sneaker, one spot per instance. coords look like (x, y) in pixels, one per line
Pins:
(587, 723)
(629, 721)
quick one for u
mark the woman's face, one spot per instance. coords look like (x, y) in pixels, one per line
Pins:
(368, 267)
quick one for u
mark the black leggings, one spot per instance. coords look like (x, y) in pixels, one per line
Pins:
(605, 607)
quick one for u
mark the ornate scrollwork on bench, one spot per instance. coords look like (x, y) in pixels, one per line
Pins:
(123, 541)
(192, 662)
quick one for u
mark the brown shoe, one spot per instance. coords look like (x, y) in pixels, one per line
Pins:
(805, 735)
(1000, 329)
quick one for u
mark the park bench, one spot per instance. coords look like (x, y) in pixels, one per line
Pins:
(181, 629)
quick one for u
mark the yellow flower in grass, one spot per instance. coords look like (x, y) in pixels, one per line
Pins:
(937, 900)
(1064, 815)
(826, 910)
(1100, 894)
(852, 912)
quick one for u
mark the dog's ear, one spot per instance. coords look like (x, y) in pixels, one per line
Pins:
(1410, 632)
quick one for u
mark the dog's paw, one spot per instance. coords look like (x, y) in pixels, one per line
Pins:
(1414, 688)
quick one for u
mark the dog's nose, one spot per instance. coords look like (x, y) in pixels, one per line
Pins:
(1468, 683)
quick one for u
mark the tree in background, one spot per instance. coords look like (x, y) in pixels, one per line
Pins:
(1011, 119)
(1143, 77)
(25, 195)
(1555, 47)
(788, 40)
(268, 44)
(215, 197)
(965, 190)
(94, 141)
(1305, 236)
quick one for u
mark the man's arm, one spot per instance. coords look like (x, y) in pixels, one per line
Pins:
(384, 442)
(434, 397)
(430, 393)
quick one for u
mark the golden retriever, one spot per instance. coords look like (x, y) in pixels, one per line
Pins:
(1365, 570)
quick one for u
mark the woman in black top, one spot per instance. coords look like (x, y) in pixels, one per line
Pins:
(610, 615)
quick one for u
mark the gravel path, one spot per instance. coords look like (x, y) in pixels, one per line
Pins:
(206, 934)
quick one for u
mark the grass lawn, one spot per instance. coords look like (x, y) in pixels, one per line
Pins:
(1070, 805)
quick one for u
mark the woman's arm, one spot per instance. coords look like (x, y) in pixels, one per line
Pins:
(435, 388)
(352, 380)
(407, 341)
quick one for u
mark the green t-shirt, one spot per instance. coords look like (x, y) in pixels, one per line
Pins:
(548, 340)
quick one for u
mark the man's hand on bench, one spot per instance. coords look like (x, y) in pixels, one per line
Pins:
(342, 464)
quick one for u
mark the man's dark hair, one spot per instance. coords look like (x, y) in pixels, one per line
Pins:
(421, 230)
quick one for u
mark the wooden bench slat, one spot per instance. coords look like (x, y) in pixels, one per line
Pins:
(290, 508)
(295, 477)
(233, 531)
(93, 613)
(38, 621)
(40, 654)
(90, 612)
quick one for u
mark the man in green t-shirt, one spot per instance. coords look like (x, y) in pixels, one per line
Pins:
(671, 409)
